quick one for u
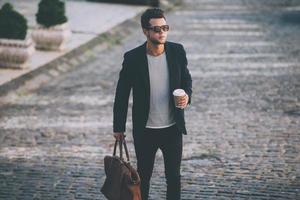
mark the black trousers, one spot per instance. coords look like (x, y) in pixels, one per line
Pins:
(169, 140)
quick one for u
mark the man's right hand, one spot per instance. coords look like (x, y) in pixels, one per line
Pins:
(119, 136)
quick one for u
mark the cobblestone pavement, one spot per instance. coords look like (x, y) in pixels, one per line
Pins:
(243, 125)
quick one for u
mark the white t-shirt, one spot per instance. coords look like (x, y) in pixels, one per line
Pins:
(161, 113)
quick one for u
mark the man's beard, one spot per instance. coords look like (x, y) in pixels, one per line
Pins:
(154, 41)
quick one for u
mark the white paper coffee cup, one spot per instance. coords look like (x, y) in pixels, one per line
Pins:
(178, 94)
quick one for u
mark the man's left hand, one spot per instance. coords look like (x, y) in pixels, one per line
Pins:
(184, 102)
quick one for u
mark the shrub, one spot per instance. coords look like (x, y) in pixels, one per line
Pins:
(51, 12)
(13, 25)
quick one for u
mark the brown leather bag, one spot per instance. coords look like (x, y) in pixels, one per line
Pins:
(122, 180)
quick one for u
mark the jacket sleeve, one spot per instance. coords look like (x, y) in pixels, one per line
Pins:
(122, 97)
(186, 80)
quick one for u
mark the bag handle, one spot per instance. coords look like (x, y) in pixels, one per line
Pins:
(121, 144)
(126, 150)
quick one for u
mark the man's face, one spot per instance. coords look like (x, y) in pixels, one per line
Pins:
(156, 37)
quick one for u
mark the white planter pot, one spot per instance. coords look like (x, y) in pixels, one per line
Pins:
(51, 38)
(15, 53)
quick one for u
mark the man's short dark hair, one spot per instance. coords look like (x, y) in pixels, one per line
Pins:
(149, 14)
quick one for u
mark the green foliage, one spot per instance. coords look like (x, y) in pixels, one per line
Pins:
(13, 25)
(51, 12)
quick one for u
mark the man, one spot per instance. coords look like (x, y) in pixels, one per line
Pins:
(154, 70)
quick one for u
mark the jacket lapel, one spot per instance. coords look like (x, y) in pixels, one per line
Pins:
(171, 67)
(144, 69)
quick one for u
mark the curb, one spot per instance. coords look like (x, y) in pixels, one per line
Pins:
(61, 65)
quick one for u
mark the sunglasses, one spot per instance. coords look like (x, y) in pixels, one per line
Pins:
(157, 29)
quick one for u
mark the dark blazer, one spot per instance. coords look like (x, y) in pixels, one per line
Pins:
(135, 74)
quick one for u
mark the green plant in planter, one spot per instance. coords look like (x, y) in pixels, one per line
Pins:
(13, 25)
(51, 12)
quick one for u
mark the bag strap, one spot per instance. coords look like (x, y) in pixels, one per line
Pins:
(115, 148)
(126, 150)
(121, 144)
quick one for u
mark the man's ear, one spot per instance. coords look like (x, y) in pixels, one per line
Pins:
(145, 32)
